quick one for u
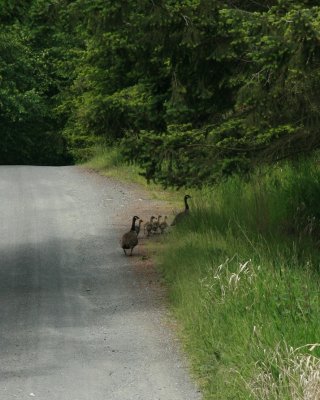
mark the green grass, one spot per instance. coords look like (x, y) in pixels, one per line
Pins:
(243, 280)
(109, 162)
(243, 273)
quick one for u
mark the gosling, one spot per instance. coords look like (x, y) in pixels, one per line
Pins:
(138, 227)
(156, 224)
(148, 226)
(164, 225)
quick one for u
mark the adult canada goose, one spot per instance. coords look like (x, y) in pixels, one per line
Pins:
(138, 227)
(156, 224)
(164, 225)
(181, 215)
(148, 226)
(130, 239)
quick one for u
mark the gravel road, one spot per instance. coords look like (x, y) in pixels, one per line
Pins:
(75, 321)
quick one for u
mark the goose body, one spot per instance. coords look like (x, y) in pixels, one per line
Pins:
(182, 215)
(130, 239)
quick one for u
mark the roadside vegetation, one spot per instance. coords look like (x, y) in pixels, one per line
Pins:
(243, 277)
(109, 161)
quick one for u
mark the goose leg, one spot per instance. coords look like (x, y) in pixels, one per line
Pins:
(124, 251)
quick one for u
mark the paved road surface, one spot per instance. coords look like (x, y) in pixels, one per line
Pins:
(75, 324)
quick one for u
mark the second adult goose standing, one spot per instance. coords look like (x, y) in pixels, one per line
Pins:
(130, 239)
(181, 215)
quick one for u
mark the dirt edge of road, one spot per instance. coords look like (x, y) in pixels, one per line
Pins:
(143, 258)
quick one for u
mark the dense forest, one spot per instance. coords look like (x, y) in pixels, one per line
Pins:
(192, 90)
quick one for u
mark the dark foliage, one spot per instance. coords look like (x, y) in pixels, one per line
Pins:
(194, 90)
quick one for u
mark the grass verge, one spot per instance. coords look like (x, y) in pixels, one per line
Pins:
(109, 162)
(243, 278)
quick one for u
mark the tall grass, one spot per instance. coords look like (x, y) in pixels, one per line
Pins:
(243, 273)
